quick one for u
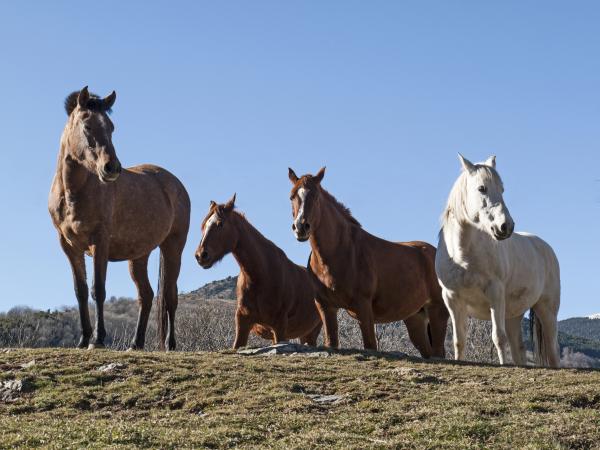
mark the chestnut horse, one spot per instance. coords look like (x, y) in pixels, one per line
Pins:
(275, 297)
(115, 214)
(375, 280)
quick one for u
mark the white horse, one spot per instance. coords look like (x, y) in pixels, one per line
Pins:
(487, 271)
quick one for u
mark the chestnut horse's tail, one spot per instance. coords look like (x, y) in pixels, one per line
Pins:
(162, 316)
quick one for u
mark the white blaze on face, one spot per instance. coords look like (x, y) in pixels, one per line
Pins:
(302, 193)
(209, 224)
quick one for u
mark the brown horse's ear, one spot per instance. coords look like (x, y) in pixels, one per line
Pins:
(109, 100)
(83, 97)
(320, 174)
(230, 204)
(292, 176)
(213, 204)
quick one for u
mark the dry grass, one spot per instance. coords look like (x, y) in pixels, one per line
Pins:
(220, 400)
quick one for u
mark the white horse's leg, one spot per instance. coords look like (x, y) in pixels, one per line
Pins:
(495, 294)
(458, 314)
(546, 313)
(514, 330)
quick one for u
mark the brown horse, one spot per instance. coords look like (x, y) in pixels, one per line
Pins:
(376, 281)
(115, 215)
(275, 297)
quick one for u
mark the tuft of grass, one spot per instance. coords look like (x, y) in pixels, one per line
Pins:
(225, 400)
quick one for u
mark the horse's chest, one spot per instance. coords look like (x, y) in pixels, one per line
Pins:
(72, 220)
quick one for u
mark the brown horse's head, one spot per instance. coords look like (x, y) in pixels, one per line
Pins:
(219, 236)
(305, 199)
(88, 134)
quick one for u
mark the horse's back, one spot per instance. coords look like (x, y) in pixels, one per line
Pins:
(531, 252)
(150, 205)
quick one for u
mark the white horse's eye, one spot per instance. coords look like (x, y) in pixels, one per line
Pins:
(482, 189)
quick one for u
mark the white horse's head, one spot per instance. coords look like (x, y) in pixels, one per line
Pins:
(476, 198)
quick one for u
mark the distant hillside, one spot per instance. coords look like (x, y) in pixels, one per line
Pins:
(220, 289)
(581, 326)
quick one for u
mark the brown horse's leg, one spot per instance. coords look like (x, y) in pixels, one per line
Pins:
(311, 338)
(367, 328)
(417, 332)
(329, 318)
(138, 269)
(243, 325)
(171, 253)
(438, 323)
(99, 291)
(77, 262)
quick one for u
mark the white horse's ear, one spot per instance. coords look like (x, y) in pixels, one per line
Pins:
(491, 162)
(467, 165)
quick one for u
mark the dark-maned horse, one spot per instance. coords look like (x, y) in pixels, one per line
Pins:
(275, 297)
(115, 214)
(375, 280)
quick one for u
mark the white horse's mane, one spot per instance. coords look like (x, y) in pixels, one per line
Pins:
(456, 204)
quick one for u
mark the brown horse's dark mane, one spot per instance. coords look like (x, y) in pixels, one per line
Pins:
(95, 103)
(307, 181)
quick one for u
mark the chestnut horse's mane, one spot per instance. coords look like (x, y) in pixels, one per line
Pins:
(343, 209)
(305, 181)
(95, 103)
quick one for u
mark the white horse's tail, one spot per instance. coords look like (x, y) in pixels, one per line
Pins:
(540, 352)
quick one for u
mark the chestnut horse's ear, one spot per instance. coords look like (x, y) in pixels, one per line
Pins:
(292, 176)
(230, 204)
(320, 174)
(466, 164)
(213, 204)
(83, 97)
(109, 101)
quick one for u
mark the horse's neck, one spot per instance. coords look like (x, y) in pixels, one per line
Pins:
(464, 242)
(71, 176)
(332, 240)
(251, 249)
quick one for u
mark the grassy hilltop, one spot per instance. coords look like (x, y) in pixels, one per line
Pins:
(220, 400)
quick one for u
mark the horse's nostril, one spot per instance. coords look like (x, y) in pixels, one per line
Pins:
(204, 255)
(294, 226)
(307, 226)
(503, 227)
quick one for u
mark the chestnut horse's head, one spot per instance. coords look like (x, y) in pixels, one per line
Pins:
(305, 202)
(88, 134)
(218, 234)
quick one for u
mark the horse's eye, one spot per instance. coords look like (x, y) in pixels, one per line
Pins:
(482, 189)
(219, 224)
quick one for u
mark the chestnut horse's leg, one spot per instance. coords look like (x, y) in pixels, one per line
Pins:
(138, 269)
(99, 291)
(438, 323)
(243, 325)
(329, 318)
(416, 325)
(77, 262)
(367, 327)
(279, 332)
(311, 338)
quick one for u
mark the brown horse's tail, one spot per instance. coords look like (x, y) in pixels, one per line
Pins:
(162, 306)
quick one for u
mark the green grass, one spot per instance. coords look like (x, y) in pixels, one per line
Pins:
(222, 400)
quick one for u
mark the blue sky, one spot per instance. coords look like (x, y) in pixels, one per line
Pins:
(227, 95)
